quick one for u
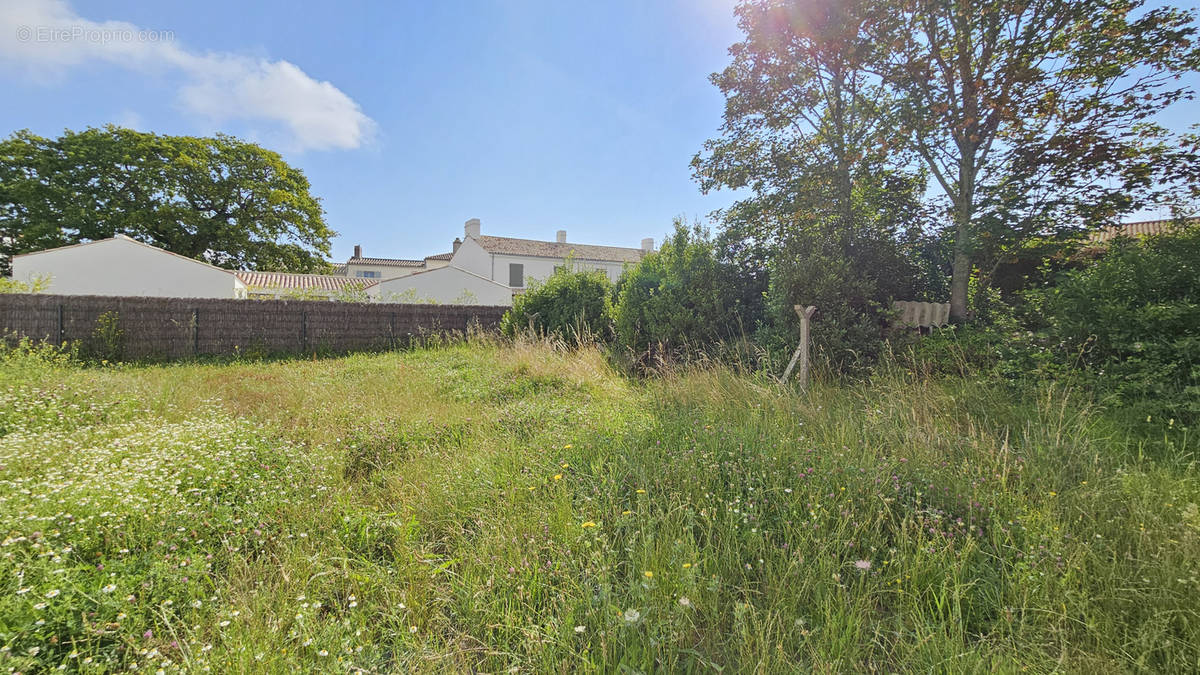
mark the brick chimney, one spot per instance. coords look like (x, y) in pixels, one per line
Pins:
(357, 251)
(648, 244)
(561, 237)
(471, 228)
(457, 243)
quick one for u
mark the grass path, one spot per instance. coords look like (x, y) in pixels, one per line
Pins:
(490, 507)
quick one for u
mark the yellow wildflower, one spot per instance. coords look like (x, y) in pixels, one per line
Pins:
(649, 574)
(588, 524)
(558, 476)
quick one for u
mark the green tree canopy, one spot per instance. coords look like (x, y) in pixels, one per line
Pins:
(222, 200)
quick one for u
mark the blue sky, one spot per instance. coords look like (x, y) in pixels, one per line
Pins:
(408, 118)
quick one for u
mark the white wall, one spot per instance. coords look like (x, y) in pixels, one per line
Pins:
(471, 257)
(444, 285)
(541, 268)
(120, 266)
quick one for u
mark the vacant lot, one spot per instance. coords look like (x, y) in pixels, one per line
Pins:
(499, 507)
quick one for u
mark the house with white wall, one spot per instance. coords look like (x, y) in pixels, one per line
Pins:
(445, 285)
(122, 266)
(515, 262)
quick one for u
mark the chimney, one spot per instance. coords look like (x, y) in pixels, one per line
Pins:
(357, 251)
(471, 228)
(457, 243)
(648, 244)
(562, 236)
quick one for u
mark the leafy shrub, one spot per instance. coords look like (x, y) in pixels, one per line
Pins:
(1132, 321)
(570, 304)
(34, 285)
(108, 338)
(680, 298)
(852, 283)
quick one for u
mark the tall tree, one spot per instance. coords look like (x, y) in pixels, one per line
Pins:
(1036, 116)
(227, 202)
(808, 130)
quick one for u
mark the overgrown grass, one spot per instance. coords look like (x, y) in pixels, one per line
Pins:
(514, 507)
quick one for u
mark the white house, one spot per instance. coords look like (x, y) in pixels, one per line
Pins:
(442, 285)
(124, 267)
(515, 262)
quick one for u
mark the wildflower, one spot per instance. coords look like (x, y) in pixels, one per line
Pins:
(226, 623)
(687, 565)
(641, 491)
(412, 629)
(53, 593)
(323, 652)
(580, 629)
(631, 615)
(23, 591)
(565, 465)
(40, 605)
(109, 588)
(648, 574)
(558, 476)
(684, 602)
(862, 564)
(588, 524)
(568, 446)
(532, 488)
(625, 513)
(353, 604)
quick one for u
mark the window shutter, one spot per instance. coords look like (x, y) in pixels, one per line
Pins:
(516, 275)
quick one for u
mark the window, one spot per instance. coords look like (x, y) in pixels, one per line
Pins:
(368, 274)
(516, 275)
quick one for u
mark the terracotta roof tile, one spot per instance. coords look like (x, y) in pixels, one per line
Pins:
(440, 256)
(389, 262)
(1138, 229)
(289, 281)
(551, 249)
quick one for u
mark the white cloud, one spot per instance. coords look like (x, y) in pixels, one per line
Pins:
(46, 38)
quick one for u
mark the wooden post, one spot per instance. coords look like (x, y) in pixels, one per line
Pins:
(801, 353)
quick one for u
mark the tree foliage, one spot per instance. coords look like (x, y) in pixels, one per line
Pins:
(1033, 119)
(681, 297)
(1036, 118)
(225, 201)
(834, 219)
(570, 304)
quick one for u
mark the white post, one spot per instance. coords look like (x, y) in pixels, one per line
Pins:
(801, 353)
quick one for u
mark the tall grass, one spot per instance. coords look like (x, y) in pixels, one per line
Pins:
(521, 506)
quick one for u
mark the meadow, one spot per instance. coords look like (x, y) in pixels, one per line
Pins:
(515, 507)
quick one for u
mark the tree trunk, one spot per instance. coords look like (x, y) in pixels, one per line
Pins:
(959, 281)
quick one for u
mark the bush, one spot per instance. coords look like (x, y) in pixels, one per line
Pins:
(852, 282)
(571, 304)
(1131, 321)
(680, 299)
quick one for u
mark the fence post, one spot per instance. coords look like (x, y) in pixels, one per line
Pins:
(62, 329)
(195, 331)
(801, 353)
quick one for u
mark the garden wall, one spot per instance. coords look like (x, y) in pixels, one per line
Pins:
(171, 328)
